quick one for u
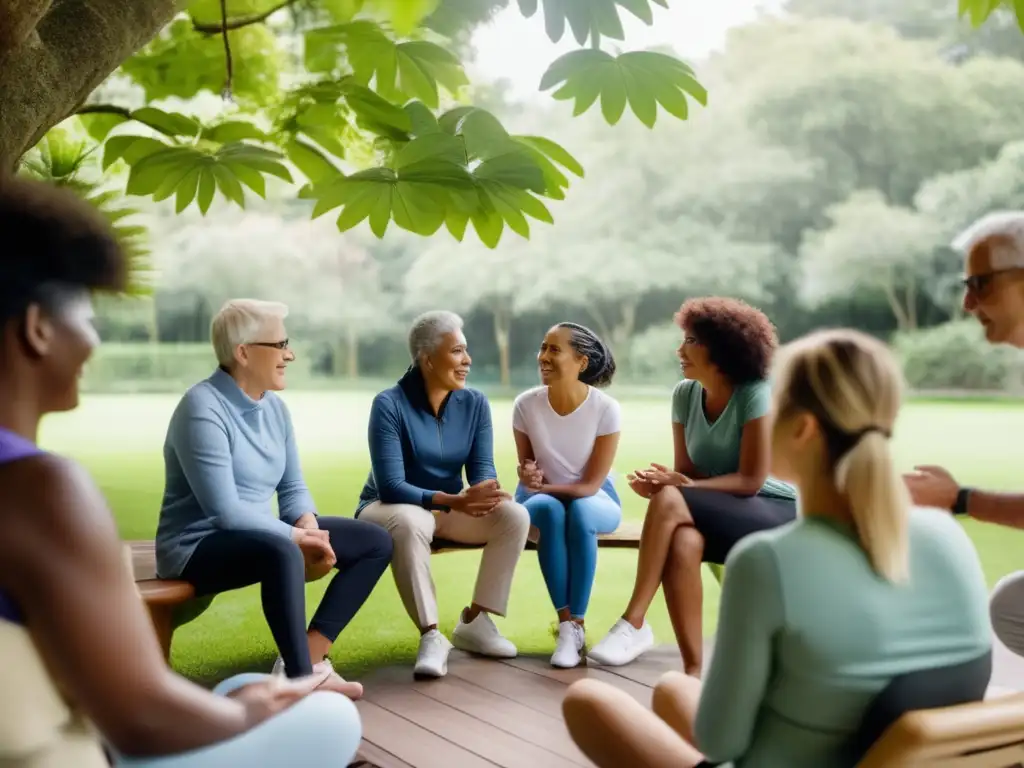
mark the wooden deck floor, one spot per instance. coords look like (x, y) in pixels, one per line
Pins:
(508, 713)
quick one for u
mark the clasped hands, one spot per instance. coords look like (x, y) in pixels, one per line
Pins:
(481, 499)
(646, 482)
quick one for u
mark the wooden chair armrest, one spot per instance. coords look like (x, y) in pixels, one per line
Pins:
(935, 736)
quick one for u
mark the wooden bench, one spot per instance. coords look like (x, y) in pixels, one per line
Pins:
(988, 734)
(164, 597)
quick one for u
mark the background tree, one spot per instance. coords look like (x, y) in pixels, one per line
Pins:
(468, 279)
(871, 245)
(364, 99)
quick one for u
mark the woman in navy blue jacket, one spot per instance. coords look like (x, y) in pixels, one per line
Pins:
(423, 433)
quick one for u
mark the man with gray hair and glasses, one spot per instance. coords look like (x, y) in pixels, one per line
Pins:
(994, 295)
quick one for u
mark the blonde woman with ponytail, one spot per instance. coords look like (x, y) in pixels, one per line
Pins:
(818, 616)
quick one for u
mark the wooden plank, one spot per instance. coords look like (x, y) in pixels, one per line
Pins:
(542, 667)
(538, 693)
(377, 757)
(626, 536)
(468, 731)
(648, 669)
(410, 743)
(494, 709)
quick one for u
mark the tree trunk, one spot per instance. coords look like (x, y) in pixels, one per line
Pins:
(153, 320)
(889, 289)
(911, 294)
(53, 55)
(502, 331)
(622, 335)
(352, 348)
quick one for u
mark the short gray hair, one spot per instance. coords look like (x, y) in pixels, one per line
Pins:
(1005, 225)
(428, 329)
(241, 321)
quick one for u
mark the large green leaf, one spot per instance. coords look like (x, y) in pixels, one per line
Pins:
(547, 153)
(434, 181)
(643, 79)
(415, 193)
(399, 70)
(980, 10)
(589, 19)
(190, 173)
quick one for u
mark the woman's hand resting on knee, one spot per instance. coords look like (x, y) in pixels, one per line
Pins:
(315, 545)
(659, 476)
(267, 698)
(479, 500)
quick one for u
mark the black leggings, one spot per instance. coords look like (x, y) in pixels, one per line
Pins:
(227, 560)
(724, 519)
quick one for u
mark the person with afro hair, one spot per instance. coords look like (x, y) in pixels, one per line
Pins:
(717, 489)
(83, 677)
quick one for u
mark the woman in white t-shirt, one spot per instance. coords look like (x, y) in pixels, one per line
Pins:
(566, 432)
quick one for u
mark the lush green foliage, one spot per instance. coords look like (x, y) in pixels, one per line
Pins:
(979, 10)
(363, 104)
(955, 356)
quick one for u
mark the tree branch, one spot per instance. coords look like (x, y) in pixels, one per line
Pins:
(228, 64)
(226, 25)
(50, 75)
(20, 20)
(104, 109)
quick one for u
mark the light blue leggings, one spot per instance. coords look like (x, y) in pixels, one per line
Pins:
(567, 549)
(322, 730)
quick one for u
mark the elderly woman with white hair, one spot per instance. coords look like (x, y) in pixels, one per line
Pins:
(230, 448)
(423, 433)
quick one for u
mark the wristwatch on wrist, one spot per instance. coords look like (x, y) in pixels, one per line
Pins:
(960, 505)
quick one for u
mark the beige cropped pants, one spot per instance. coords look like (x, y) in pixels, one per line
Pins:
(503, 534)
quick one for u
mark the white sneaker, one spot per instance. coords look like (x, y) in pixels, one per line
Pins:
(623, 643)
(432, 659)
(482, 637)
(569, 648)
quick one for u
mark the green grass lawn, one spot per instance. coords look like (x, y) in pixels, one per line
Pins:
(119, 439)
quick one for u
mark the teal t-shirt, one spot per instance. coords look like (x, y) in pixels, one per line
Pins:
(714, 447)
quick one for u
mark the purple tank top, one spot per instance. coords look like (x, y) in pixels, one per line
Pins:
(12, 448)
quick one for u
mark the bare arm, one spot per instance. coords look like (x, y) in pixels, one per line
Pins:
(999, 508)
(524, 448)
(61, 562)
(754, 461)
(682, 463)
(594, 474)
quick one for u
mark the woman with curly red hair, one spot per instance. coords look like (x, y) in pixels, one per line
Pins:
(717, 490)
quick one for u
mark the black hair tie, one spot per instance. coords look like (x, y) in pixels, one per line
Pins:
(874, 428)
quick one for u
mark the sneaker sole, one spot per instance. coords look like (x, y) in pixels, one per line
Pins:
(581, 662)
(636, 656)
(465, 648)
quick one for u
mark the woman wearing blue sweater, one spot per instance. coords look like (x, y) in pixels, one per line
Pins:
(230, 449)
(424, 432)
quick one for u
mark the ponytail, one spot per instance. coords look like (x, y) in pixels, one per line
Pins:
(600, 363)
(852, 385)
(879, 503)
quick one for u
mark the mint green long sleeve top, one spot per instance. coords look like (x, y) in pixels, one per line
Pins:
(808, 634)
